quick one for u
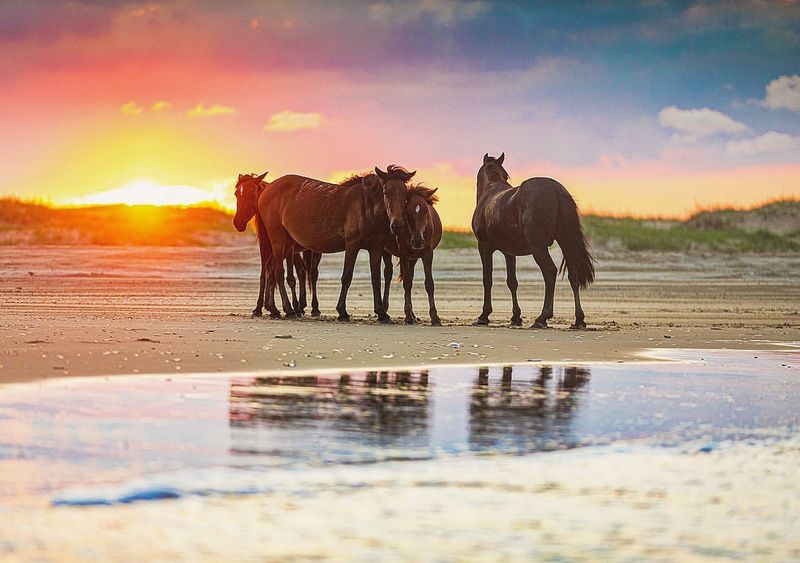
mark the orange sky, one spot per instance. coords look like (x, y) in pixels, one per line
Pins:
(166, 102)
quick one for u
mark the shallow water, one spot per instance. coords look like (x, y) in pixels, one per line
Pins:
(70, 440)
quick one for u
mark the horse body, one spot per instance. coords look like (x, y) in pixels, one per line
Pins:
(328, 218)
(424, 235)
(526, 220)
(248, 189)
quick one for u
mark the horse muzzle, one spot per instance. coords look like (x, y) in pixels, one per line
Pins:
(396, 228)
(417, 243)
(239, 226)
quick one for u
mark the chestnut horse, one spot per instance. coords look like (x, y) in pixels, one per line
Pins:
(328, 218)
(248, 189)
(423, 236)
(526, 220)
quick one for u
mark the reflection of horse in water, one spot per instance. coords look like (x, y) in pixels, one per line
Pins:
(378, 406)
(526, 415)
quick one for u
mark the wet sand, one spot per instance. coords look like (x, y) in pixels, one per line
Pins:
(104, 311)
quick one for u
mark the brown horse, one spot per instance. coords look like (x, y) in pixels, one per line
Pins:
(248, 189)
(424, 235)
(526, 220)
(328, 218)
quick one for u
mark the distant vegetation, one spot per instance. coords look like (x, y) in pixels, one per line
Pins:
(771, 228)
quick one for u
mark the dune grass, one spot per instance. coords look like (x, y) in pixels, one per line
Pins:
(717, 230)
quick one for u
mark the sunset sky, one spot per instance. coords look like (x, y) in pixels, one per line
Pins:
(644, 107)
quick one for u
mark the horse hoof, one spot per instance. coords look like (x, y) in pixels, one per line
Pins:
(539, 324)
(315, 313)
(345, 318)
(481, 322)
(436, 321)
(274, 315)
(385, 320)
(516, 321)
(256, 313)
(410, 320)
(578, 325)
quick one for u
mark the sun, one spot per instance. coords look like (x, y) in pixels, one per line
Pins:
(150, 192)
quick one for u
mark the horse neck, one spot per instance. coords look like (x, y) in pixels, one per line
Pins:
(494, 180)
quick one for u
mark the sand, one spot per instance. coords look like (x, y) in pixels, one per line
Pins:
(116, 310)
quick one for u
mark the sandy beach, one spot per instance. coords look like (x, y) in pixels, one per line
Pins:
(113, 310)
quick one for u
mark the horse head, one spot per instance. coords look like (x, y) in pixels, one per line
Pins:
(393, 184)
(418, 213)
(491, 171)
(248, 187)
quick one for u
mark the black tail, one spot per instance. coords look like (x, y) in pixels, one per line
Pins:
(308, 262)
(569, 234)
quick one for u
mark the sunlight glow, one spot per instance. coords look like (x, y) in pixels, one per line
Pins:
(148, 192)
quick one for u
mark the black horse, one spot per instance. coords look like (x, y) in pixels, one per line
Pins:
(526, 220)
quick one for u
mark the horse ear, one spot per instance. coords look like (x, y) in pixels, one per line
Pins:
(501, 158)
(261, 178)
(383, 176)
(406, 177)
(486, 158)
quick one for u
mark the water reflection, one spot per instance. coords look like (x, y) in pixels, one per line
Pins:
(376, 408)
(493, 409)
(525, 414)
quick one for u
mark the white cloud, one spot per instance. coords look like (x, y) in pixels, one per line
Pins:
(783, 93)
(214, 110)
(161, 105)
(443, 12)
(699, 123)
(289, 121)
(770, 142)
(131, 108)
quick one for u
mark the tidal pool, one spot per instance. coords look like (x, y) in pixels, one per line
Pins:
(650, 434)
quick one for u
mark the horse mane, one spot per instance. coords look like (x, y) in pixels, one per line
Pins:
(355, 178)
(424, 191)
(395, 170)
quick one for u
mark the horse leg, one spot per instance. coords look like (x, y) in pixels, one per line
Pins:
(579, 316)
(313, 274)
(350, 255)
(486, 262)
(375, 272)
(549, 272)
(300, 267)
(292, 282)
(261, 288)
(407, 269)
(427, 263)
(388, 272)
(511, 282)
(280, 253)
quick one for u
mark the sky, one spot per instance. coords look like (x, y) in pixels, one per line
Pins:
(644, 108)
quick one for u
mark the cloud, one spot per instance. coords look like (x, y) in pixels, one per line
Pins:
(161, 105)
(290, 121)
(783, 93)
(770, 142)
(214, 110)
(131, 108)
(699, 123)
(443, 12)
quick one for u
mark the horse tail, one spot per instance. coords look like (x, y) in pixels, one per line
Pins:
(569, 234)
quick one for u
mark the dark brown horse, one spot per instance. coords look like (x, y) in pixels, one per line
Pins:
(248, 189)
(328, 218)
(526, 220)
(423, 235)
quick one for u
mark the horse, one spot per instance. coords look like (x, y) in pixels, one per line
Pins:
(425, 233)
(248, 189)
(329, 218)
(526, 220)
